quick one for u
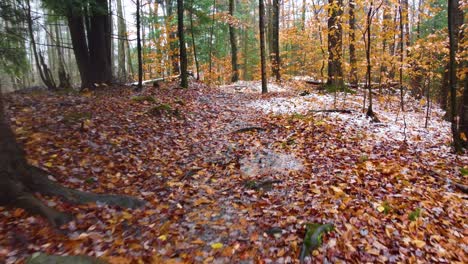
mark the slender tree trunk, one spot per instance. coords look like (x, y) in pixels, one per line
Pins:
(140, 59)
(352, 43)
(402, 34)
(370, 112)
(121, 72)
(210, 59)
(275, 52)
(183, 51)
(44, 71)
(195, 56)
(261, 8)
(233, 40)
(64, 78)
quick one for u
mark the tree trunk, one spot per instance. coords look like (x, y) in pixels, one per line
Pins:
(140, 61)
(195, 56)
(121, 72)
(335, 43)
(261, 8)
(99, 43)
(352, 43)
(232, 38)
(183, 51)
(453, 44)
(275, 52)
(44, 71)
(210, 59)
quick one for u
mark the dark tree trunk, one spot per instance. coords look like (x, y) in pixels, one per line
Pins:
(352, 43)
(19, 180)
(140, 60)
(233, 40)
(80, 48)
(453, 28)
(335, 43)
(99, 43)
(261, 8)
(275, 52)
(370, 112)
(182, 49)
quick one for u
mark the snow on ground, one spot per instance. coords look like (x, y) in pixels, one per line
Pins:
(395, 125)
(251, 87)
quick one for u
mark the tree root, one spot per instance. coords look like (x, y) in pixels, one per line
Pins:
(44, 185)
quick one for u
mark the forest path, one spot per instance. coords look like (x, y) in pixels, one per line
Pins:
(217, 195)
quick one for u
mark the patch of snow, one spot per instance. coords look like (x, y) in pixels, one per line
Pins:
(251, 87)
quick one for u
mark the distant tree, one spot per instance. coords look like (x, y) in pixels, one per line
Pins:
(183, 51)
(261, 8)
(121, 30)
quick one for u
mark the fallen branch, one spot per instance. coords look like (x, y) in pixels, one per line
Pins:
(248, 129)
(343, 111)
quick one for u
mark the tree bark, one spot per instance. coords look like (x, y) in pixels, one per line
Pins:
(140, 60)
(233, 40)
(275, 52)
(352, 43)
(182, 49)
(335, 43)
(121, 72)
(195, 56)
(453, 43)
(261, 8)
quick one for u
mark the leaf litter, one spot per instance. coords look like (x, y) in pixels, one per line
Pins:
(192, 170)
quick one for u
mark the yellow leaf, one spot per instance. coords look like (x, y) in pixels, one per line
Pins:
(162, 237)
(337, 190)
(127, 216)
(49, 164)
(217, 245)
(380, 208)
(419, 243)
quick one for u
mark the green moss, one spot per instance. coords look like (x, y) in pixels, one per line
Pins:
(415, 214)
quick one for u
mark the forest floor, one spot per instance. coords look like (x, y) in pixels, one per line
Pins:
(230, 175)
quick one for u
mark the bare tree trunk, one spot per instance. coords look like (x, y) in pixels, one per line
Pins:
(183, 51)
(275, 52)
(402, 34)
(121, 72)
(352, 43)
(233, 40)
(452, 29)
(335, 43)
(44, 71)
(261, 8)
(140, 59)
(210, 59)
(197, 66)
